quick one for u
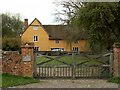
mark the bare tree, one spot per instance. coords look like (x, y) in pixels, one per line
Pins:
(68, 11)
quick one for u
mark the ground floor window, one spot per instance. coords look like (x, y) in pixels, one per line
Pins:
(75, 49)
(57, 41)
(36, 48)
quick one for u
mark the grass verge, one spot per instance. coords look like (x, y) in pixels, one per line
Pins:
(12, 80)
(114, 80)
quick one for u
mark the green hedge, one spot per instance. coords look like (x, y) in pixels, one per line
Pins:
(114, 80)
(11, 44)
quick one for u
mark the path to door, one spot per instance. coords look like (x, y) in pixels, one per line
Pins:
(67, 83)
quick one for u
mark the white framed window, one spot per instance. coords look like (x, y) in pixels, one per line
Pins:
(57, 41)
(35, 38)
(35, 27)
(75, 49)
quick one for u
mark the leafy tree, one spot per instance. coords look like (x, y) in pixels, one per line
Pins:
(11, 29)
(11, 25)
(101, 22)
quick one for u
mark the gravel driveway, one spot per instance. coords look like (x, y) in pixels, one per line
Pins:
(67, 83)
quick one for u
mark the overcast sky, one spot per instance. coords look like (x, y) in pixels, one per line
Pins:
(30, 9)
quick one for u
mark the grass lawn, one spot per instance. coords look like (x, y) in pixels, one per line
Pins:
(66, 59)
(114, 80)
(11, 80)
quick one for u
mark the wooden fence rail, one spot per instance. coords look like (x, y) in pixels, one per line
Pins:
(65, 71)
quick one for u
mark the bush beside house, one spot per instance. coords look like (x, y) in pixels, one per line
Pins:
(11, 44)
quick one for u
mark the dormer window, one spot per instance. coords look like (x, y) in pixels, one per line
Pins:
(76, 42)
(35, 27)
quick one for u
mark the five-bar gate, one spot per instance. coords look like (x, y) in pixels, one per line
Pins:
(79, 70)
(65, 71)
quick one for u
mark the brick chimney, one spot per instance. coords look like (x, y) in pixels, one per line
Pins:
(25, 23)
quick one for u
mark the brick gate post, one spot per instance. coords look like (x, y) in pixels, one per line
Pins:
(27, 63)
(116, 62)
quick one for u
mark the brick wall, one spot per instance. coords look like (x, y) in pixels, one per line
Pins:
(28, 66)
(116, 62)
(11, 63)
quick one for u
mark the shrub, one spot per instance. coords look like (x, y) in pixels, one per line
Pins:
(114, 80)
(11, 44)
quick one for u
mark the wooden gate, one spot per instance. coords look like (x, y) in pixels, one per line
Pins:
(73, 70)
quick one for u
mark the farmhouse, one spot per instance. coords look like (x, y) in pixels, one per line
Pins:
(51, 37)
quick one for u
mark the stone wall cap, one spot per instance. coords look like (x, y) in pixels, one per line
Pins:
(27, 45)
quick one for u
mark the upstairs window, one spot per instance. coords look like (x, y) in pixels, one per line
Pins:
(57, 41)
(35, 38)
(76, 42)
(35, 27)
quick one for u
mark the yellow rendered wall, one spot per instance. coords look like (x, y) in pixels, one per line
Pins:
(82, 45)
(62, 44)
(43, 39)
(45, 44)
